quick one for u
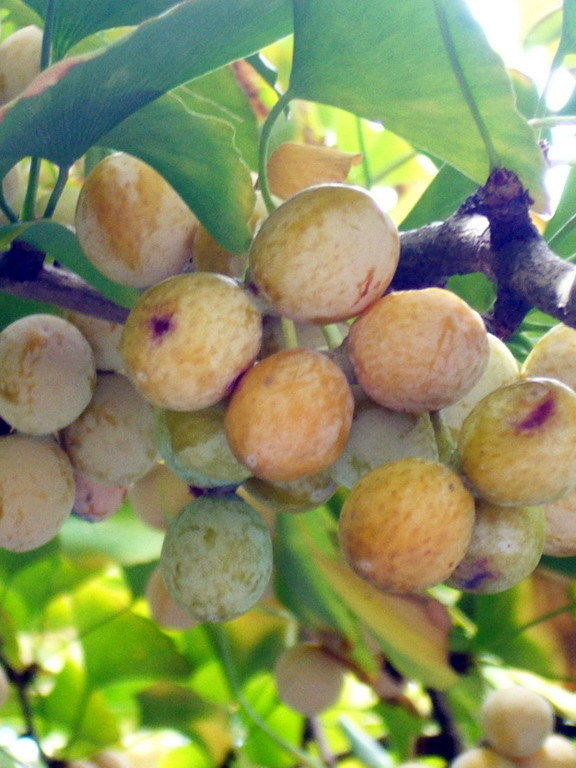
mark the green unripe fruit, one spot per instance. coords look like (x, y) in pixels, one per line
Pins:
(216, 559)
(194, 445)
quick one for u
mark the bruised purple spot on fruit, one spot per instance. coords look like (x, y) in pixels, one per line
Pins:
(477, 580)
(538, 416)
(160, 326)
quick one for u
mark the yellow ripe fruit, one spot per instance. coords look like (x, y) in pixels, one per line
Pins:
(516, 721)
(502, 369)
(325, 254)
(308, 679)
(406, 525)
(554, 356)
(418, 350)
(556, 752)
(19, 61)
(518, 446)
(481, 757)
(131, 223)
(290, 415)
(104, 339)
(112, 441)
(188, 338)
(36, 491)
(47, 373)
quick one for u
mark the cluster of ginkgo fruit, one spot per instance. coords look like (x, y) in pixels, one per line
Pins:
(217, 382)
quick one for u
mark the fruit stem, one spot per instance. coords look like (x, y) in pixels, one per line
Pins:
(368, 178)
(56, 192)
(273, 115)
(332, 335)
(444, 441)
(289, 333)
(219, 640)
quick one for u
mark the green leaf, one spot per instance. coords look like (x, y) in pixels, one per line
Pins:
(423, 69)
(561, 229)
(78, 100)
(197, 155)
(442, 197)
(168, 705)
(568, 35)
(476, 289)
(189, 756)
(128, 647)
(76, 19)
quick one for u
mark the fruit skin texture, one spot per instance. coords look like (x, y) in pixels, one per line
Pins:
(188, 338)
(556, 752)
(131, 223)
(553, 356)
(36, 491)
(561, 526)
(112, 442)
(378, 436)
(502, 369)
(94, 502)
(518, 445)
(47, 374)
(302, 495)
(308, 679)
(159, 496)
(194, 446)
(516, 721)
(19, 61)
(418, 350)
(325, 254)
(406, 525)
(104, 339)
(216, 558)
(290, 415)
(505, 548)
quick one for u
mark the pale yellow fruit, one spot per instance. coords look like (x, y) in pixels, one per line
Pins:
(36, 491)
(47, 373)
(516, 721)
(188, 339)
(418, 350)
(561, 526)
(556, 752)
(290, 415)
(308, 679)
(112, 442)
(406, 525)
(104, 338)
(159, 496)
(216, 558)
(502, 368)
(110, 758)
(19, 61)
(325, 254)
(518, 445)
(554, 356)
(481, 757)
(131, 223)
(379, 435)
(164, 610)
